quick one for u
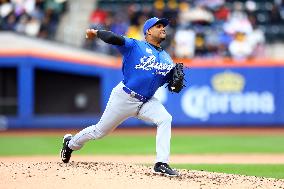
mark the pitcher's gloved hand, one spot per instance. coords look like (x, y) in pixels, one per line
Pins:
(176, 81)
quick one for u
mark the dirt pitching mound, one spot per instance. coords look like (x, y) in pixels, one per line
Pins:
(117, 175)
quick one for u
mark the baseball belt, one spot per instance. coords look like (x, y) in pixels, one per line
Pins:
(135, 95)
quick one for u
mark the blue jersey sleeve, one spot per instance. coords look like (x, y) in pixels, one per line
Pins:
(129, 43)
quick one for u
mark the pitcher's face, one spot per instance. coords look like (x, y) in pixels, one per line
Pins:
(158, 32)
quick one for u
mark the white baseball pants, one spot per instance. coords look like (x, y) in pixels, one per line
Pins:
(122, 106)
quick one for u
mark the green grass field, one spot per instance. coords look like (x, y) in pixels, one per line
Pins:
(124, 145)
(260, 170)
(37, 145)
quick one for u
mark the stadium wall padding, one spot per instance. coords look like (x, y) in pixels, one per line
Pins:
(237, 96)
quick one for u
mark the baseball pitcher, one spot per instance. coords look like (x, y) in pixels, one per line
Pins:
(146, 67)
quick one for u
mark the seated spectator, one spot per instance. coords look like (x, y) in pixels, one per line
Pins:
(240, 48)
(238, 22)
(6, 7)
(9, 22)
(224, 41)
(197, 14)
(200, 45)
(98, 18)
(120, 24)
(21, 25)
(32, 27)
(134, 31)
(275, 16)
(184, 43)
(256, 38)
(222, 13)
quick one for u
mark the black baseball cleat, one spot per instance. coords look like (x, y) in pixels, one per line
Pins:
(164, 168)
(66, 152)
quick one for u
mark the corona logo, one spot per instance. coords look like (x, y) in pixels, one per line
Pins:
(228, 82)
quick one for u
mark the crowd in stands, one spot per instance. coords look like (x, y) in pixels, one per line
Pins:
(199, 28)
(35, 18)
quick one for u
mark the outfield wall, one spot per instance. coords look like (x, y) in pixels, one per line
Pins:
(219, 92)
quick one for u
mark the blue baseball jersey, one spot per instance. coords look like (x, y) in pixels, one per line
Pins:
(144, 68)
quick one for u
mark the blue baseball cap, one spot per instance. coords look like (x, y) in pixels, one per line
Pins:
(153, 21)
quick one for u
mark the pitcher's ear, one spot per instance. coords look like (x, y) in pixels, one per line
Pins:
(148, 33)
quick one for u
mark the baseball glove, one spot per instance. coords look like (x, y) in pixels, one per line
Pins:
(176, 82)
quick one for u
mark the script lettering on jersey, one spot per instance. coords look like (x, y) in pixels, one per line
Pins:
(149, 63)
